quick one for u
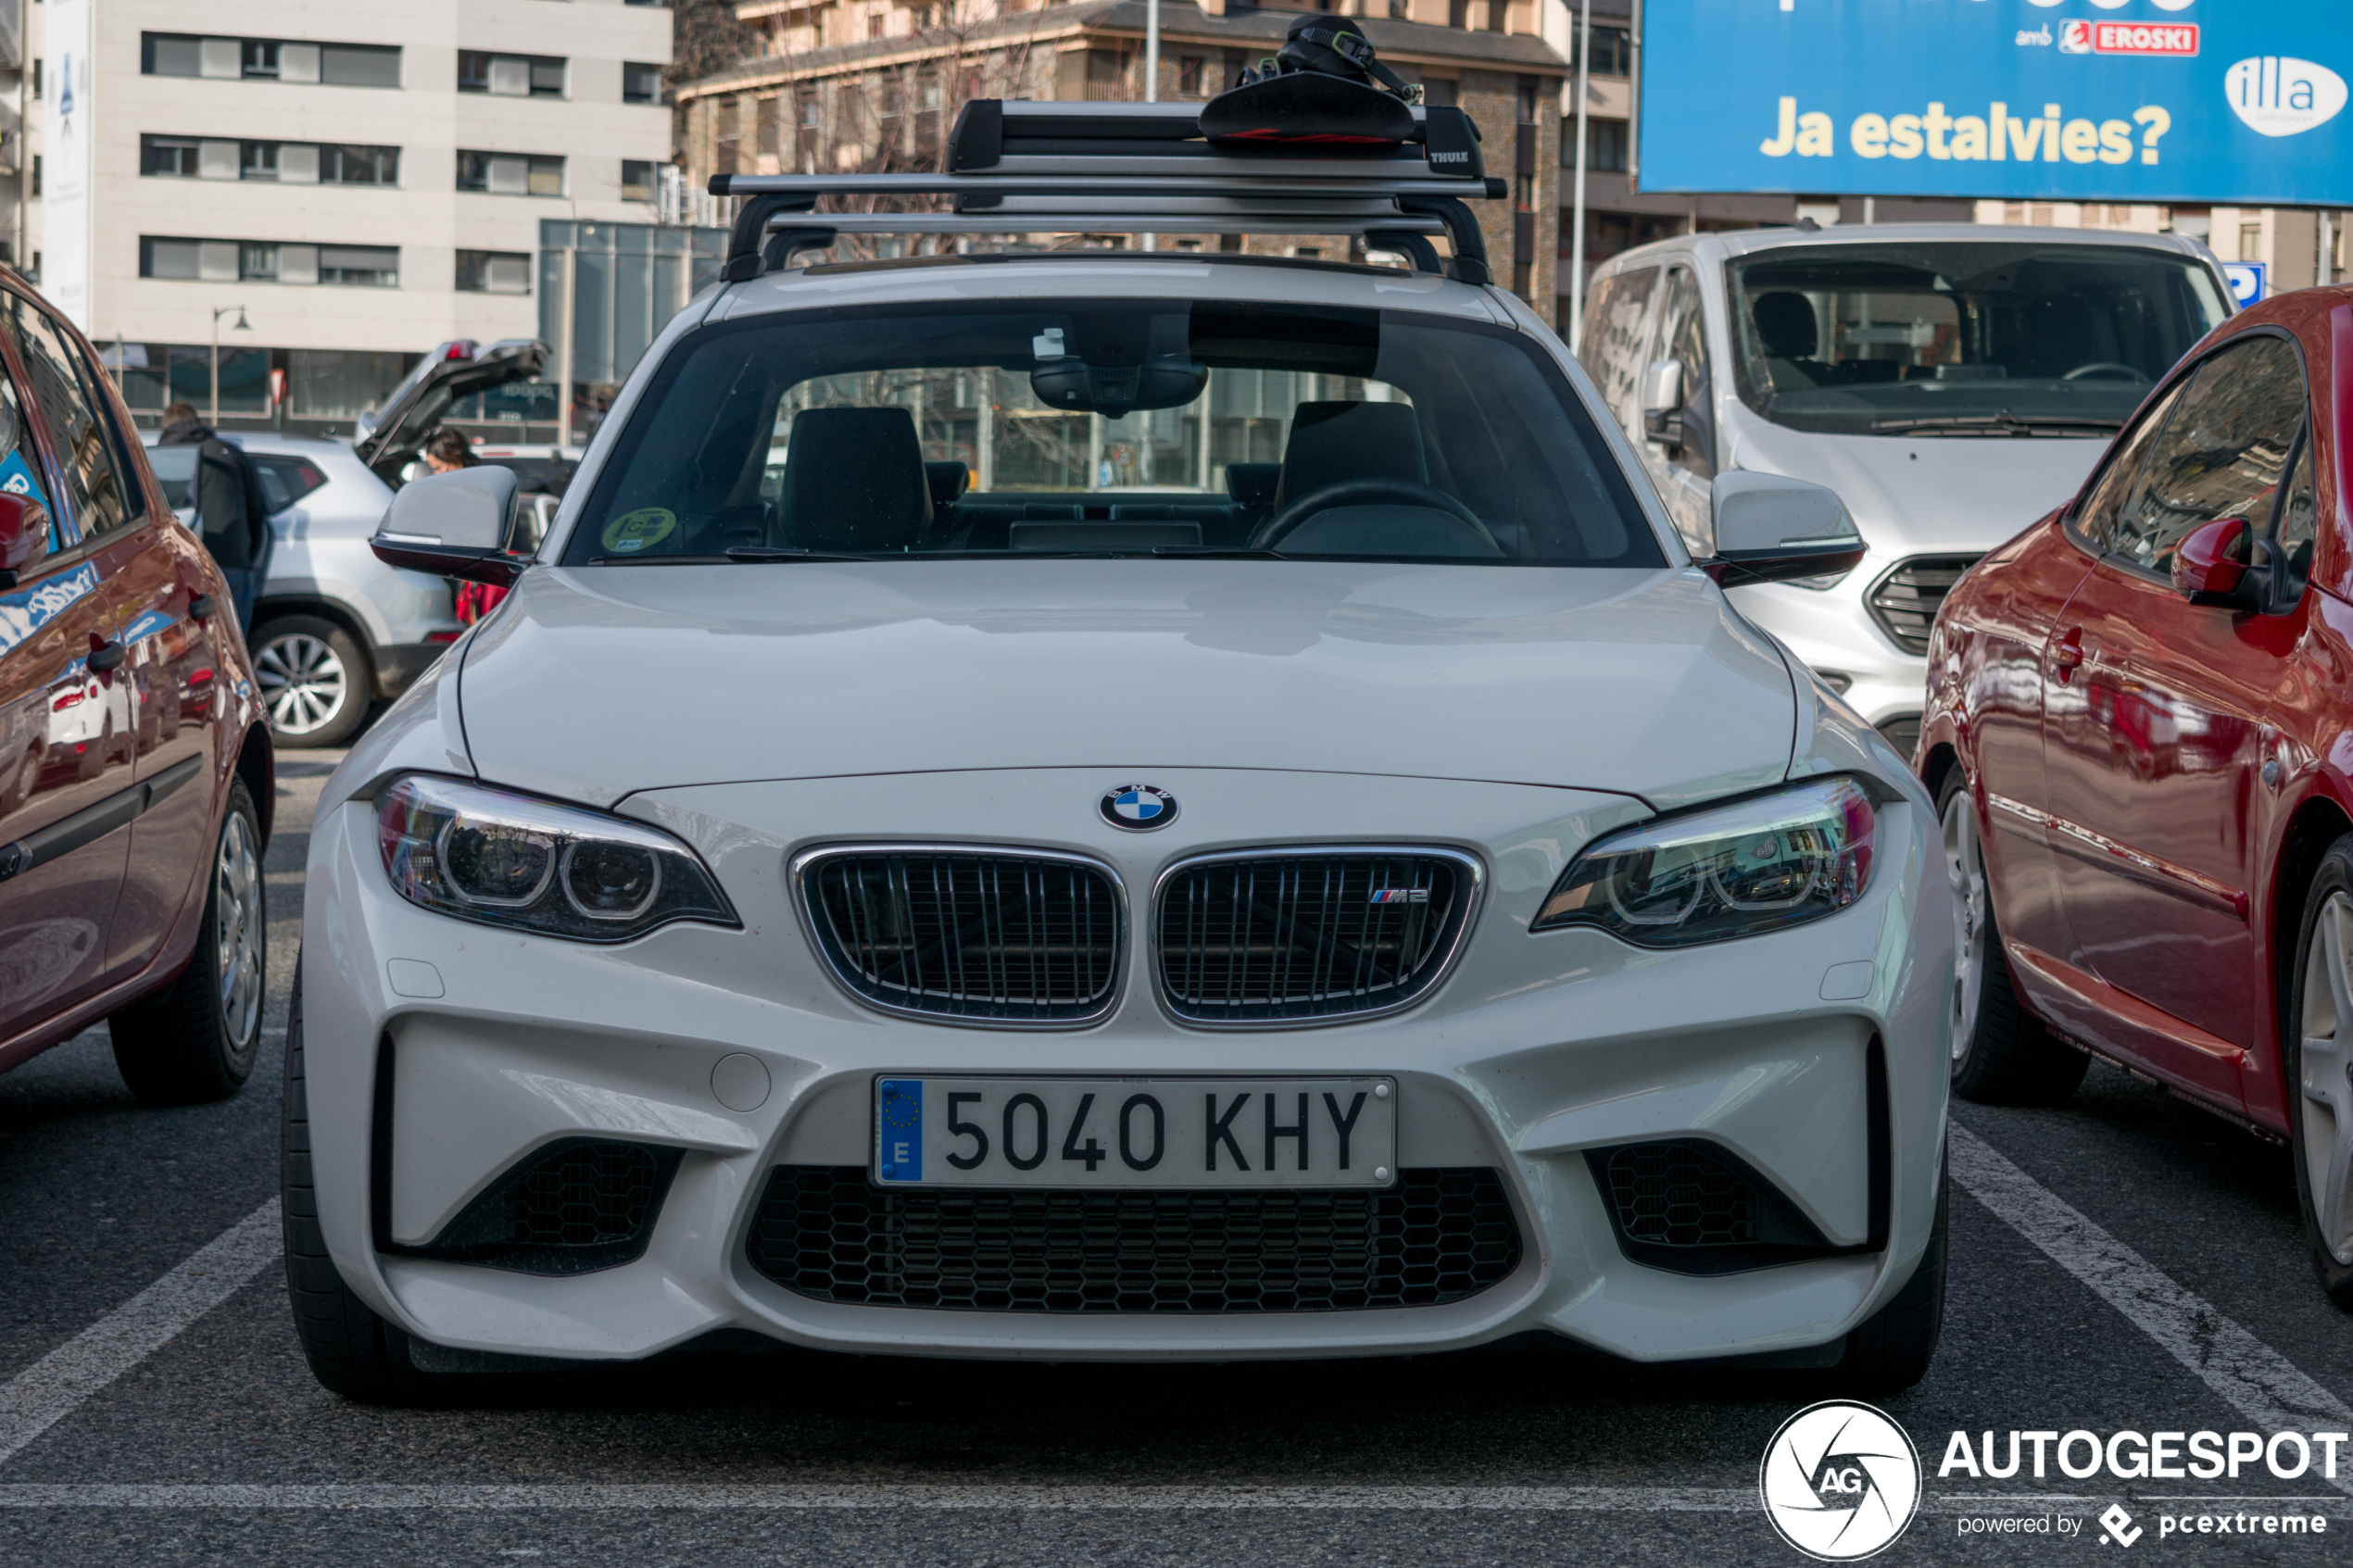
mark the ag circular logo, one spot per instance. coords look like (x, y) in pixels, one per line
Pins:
(1138, 807)
(1840, 1481)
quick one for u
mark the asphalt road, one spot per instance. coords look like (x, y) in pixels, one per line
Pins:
(2125, 1262)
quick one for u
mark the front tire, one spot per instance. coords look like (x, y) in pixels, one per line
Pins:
(352, 1352)
(2318, 1050)
(315, 680)
(2002, 1055)
(197, 1041)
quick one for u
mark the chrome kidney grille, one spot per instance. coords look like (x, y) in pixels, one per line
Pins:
(1023, 939)
(1306, 936)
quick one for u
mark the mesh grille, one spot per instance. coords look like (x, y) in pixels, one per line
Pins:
(993, 937)
(1679, 1195)
(825, 1232)
(1904, 601)
(575, 1206)
(1303, 936)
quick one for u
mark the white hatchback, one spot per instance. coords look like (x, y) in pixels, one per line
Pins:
(1116, 805)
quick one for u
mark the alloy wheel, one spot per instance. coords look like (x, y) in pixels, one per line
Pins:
(303, 683)
(2326, 1074)
(1965, 867)
(236, 893)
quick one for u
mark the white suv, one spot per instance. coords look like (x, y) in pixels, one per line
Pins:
(1116, 805)
(1953, 383)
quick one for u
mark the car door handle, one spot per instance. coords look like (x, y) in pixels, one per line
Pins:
(2067, 654)
(107, 656)
(202, 607)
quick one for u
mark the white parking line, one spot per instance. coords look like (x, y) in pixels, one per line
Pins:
(45, 1392)
(931, 1498)
(2257, 1380)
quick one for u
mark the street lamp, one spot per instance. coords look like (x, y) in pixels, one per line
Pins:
(241, 326)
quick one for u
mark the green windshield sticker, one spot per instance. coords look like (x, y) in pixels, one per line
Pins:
(640, 529)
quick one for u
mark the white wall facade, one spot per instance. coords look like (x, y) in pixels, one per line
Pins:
(424, 215)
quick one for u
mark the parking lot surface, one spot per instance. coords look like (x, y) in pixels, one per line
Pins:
(2124, 1264)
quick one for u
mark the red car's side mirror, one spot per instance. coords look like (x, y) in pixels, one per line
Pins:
(2210, 563)
(24, 532)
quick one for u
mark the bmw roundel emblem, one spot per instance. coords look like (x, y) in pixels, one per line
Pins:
(1138, 807)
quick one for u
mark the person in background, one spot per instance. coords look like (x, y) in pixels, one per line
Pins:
(233, 512)
(447, 450)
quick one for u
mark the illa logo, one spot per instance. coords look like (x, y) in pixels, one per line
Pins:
(2280, 97)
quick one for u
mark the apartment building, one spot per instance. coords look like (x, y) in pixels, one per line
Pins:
(875, 83)
(330, 188)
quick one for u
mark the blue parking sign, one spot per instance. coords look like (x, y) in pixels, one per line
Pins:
(2250, 281)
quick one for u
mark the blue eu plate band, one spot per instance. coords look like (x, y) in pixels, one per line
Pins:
(898, 1129)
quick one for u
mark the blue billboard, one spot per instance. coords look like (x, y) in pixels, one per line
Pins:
(2234, 101)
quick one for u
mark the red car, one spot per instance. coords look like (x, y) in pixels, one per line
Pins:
(2140, 734)
(135, 773)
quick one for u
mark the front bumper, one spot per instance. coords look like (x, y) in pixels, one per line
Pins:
(1534, 1050)
(1831, 631)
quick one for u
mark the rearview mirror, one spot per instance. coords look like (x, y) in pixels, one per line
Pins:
(24, 534)
(1115, 391)
(1769, 529)
(455, 524)
(1663, 403)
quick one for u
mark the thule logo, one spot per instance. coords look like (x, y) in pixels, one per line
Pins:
(1450, 157)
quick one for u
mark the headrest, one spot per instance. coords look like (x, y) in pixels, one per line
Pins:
(854, 480)
(947, 481)
(1331, 442)
(1253, 484)
(1785, 321)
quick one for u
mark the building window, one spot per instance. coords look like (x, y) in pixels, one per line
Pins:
(1605, 143)
(376, 266)
(770, 127)
(640, 83)
(494, 271)
(1613, 50)
(2250, 241)
(270, 59)
(167, 157)
(1458, 13)
(1439, 91)
(511, 174)
(1189, 74)
(513, 76)
(636, 179)
(258, 160)
(346, 164)
(269, 261)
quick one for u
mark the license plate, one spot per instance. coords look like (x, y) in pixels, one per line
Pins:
(1136, 1132)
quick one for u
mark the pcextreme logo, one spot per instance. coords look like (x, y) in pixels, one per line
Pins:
(1840, 1481)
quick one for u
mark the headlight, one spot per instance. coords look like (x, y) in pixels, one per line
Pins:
(505, 859)
(1777, 860)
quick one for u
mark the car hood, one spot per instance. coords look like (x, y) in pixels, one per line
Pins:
(592, 682)
(1962, 495)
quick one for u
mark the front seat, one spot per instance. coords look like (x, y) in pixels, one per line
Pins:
(1785, 323)
(1332, 442)
(854, 480)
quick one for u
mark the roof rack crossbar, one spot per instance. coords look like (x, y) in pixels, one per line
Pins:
(1048, 223)
(1294, 187)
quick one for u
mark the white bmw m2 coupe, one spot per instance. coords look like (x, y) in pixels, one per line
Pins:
(1126, 806)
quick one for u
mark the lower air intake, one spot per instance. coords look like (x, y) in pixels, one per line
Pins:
(1694, 1208)
(571, 1207)
(827, 1232)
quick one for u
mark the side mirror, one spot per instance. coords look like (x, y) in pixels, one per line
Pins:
(453, 524)
(1663, 403)
(2212, 564)
(24, 534)
(1769, 529)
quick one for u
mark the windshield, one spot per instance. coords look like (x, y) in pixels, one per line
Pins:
(1091, 427)
(1963, 338)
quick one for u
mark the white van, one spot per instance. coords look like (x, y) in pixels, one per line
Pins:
(1953, 383)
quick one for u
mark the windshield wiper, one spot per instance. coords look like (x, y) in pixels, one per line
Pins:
(780, 552)
(2002, 424)
(1218, 552)
(657, 560)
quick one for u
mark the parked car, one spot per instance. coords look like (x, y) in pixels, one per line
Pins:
(136, 779)
(1949, 381)
(1379, 905)
(334, 629)
(2138, 735)
(389, 438)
